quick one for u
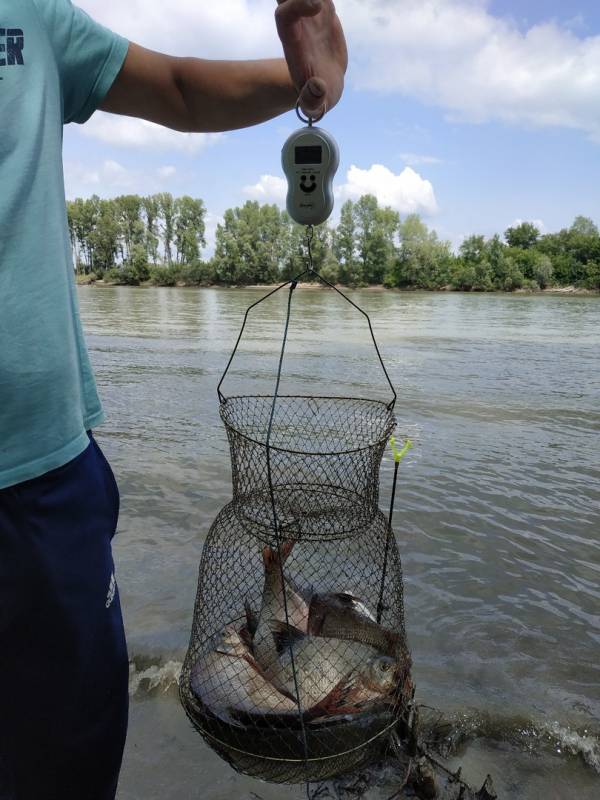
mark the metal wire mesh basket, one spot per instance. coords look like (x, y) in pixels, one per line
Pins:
(344, 626)
(322, 465)
(298, 666)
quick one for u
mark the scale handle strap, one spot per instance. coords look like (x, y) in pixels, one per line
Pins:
(293, 283)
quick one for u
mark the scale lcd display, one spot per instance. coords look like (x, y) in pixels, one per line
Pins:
(312, 154)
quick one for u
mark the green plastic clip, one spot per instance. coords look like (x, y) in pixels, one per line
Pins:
(400, 454)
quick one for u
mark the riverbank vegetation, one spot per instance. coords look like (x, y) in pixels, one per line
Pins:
(159, 240)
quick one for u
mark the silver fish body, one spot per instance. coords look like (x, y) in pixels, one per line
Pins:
(333, 676)
(229, 681)
(277, 596)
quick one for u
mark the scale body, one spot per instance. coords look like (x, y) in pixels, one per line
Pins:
(310, 159)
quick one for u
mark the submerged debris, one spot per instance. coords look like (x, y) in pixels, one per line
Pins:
(411, 769)
(487, 791)
(423, 779)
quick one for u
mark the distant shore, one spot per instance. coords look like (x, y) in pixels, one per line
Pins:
(83, 280)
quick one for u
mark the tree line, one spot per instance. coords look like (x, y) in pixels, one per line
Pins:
(159, 239)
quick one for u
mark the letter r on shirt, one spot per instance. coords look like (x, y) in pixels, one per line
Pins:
(15, 44)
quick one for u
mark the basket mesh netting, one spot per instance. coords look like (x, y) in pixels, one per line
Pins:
(298, 667)
(353, 672)
(325, 455)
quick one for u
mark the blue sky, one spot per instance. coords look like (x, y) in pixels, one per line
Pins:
(474, 114)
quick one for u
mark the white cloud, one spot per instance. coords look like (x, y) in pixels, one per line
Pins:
(407, 192)
(229, 29)
(139, 133)
(458, 55)
(106, 179)
(109, 178)
(414, 159)
(269, 188)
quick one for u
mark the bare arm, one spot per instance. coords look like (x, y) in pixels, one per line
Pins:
(191, 94)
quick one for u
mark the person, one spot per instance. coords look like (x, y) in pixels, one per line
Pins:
(63, 657)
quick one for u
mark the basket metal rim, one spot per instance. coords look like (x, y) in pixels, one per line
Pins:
(391, 424)
(264, 530)
(320, 759)
(376, 524)
(197, 708)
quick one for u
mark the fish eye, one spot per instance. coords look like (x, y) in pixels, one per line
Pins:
(385, 666)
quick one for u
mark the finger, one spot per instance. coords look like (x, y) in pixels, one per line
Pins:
(313, 97)
(290, 11)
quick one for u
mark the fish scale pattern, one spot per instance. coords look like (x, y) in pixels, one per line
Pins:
(298, 665)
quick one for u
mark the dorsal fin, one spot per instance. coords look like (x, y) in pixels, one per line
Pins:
(346, 599)
(251, 618)
(285, 635)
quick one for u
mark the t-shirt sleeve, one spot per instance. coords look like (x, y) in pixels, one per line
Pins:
(88, 55)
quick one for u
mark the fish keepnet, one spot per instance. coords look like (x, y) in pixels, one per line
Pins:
(298, 667)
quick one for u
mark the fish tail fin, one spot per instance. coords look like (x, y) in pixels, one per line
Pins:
(251, 618)
(285, 635)
(271, 554)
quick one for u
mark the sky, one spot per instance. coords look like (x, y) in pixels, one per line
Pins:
(475, 114)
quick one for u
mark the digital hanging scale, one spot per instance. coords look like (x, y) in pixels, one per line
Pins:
(310, 159)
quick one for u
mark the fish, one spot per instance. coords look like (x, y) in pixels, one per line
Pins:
(333, 676)
(273, 607)
(230, 683)
(343, 616)
(376, 682)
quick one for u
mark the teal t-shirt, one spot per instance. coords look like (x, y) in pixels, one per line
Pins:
(56, 66)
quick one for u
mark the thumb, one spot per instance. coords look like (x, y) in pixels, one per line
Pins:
(313, 97)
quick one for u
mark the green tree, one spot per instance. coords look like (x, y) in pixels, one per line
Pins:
(422, 261)
(189, 229)
(345, 249)
(251, 244)
(330, 269)
(295, 250)
(513, 277)
(151, 206)
(129, 208)
(584, 226)
(571, 249)
(498, 258)
(543, 271)
(82, 216)
(473, 270)
(524, 235)
(294, 246)
(592, 275)
(166, 205)
(374, 230)
(104, 238)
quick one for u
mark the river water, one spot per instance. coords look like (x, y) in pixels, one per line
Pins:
(497, 512)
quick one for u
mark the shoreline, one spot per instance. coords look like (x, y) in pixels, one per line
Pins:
(557, 290)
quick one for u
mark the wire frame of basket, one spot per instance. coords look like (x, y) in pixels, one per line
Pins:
(353, 673)
(307, 464)
(324, 461)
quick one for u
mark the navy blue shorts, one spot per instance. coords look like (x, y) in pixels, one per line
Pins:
(63, 658)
